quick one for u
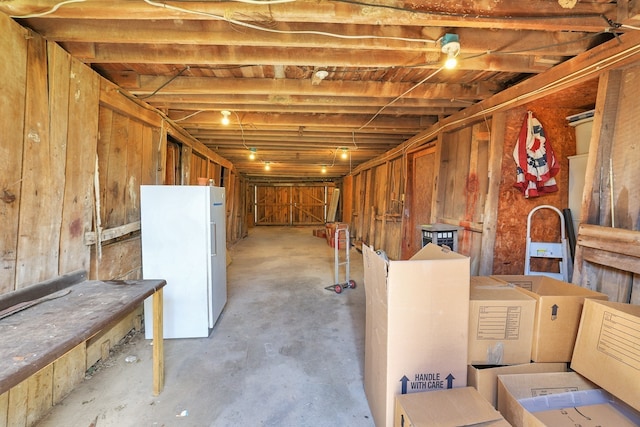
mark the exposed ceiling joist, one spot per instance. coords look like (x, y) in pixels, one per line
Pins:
(382, 79)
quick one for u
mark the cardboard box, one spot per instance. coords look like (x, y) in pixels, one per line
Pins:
(604, 414)
(446, 408)
(500, 325)
(513, 388)
(586, 408)
(485, 378)
(607, 349)
(558, 310)
(416, 333)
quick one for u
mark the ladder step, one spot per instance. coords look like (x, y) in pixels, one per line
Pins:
(545, 250)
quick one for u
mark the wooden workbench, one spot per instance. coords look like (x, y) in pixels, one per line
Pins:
(35, 337)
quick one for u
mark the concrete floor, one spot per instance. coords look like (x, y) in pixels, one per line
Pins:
(285, 352)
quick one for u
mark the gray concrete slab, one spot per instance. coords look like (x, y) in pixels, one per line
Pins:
(285, 351)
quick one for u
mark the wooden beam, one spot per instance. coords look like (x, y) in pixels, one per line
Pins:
(617, 240)
(257, 86)
(589, 65)
(175, 36)
(533, 15)
(209, 56)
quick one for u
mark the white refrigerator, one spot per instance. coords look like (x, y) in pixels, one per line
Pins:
(184, 242)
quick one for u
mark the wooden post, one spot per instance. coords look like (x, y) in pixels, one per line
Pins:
(158, 344)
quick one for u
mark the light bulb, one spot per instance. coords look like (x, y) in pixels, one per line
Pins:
(267, 166)
(324, 169)
(451, 61)
(252, 153)
(450, 46)
(225, 117)
(344, 154)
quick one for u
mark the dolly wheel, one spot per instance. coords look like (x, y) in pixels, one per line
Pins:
(352, 284)
(338, 289)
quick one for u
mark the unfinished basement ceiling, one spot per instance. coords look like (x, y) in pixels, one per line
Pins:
(382, 79)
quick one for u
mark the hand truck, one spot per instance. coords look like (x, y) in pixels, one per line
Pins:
(338, 262)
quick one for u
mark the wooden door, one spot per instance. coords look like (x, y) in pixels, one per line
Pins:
(421, 182)
(290, 205)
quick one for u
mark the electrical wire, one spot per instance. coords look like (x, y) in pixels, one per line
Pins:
(399, 97)
(48, 12)
(577, 75)
(467, 15)
(266, 2)
(188, 116)
(165, 84)
(290, 32)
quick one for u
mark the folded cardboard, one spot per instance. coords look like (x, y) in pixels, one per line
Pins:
(514, 388)
(486, 281)
(597, 415)
(607, 348)
(586, 408)
(558, 310)
(484, 378)
(500, 325)
(446, 408)
(416, 331)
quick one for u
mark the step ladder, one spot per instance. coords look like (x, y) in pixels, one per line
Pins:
(554, 250)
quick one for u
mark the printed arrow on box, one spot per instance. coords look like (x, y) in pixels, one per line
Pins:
(450, 379)
(404, 380)
(554, 311)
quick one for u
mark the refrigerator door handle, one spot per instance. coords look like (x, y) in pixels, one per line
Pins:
(214, 239)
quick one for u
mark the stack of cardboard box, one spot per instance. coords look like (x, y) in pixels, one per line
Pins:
(604, 387)
(428, 320)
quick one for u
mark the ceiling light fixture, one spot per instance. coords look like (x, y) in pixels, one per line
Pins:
(451, 47)
(319, 76)
(267, 166)
(345, 153)
(252, 153)
(225, 117)
(324, 169)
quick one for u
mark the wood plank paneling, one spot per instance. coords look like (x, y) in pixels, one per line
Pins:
(39, 226)
(423, 172)
(13, 72)
(115, 173)
(494, 172)
(68, 372)
(607, 256)
(81, 140)
(134, 173)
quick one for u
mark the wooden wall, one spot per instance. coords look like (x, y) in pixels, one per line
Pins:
(74, 150)
(376, 205)
(513, 207)
(48, 152)
(461, 172)
(607, 254)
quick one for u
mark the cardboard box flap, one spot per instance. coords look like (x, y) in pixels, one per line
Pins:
(594, 407)
(498, 293)
(487, 281)
(435, 252)
(484, 378)
(543, 285)
(513, 388)
(522, 386)
(446, 408)
(607, 349)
